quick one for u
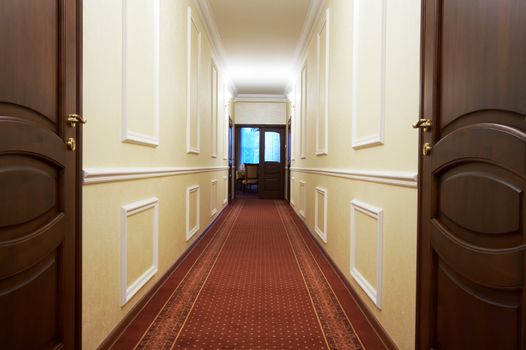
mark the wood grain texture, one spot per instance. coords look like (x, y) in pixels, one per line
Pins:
(472, 210)
(39, 203)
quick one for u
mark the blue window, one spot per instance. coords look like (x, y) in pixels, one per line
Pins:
(249, 146)
(272, 146)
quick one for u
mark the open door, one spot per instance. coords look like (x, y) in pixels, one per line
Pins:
(39, 174)
(472, 227)
(272, 163)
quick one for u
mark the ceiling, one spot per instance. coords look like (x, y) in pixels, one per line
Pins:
(259, 40)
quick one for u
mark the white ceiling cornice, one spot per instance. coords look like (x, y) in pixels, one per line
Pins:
(313, 14)
(205, 13)
(260, 98)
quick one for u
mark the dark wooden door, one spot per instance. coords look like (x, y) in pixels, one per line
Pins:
(272, 163)
(472, 237)
(39, 184)
(231, 163)
(289, 157)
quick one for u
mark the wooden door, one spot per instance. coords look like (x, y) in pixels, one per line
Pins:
(231, 162)
(289, 157)
(472, 238)
(272, 163)
(39, 183)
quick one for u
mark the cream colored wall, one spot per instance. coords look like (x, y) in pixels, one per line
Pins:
(260, 112)
(381, 174)
(106, 153)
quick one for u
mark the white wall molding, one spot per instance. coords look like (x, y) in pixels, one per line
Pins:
(102, 175)
(214, 101)
(378, 137)
(226, 120)
(292, 190)
(321, 231)
(213, 197)
(225, 198)
(377, 214)
(303, 109)
(129, 136)
(314, 12)
(191, 231)
(398, 178)
(303, 199)
(322, 117)
(127, 292)
(196, 148)
(203, 9)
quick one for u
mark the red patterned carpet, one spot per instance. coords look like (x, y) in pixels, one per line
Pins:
(257, 280)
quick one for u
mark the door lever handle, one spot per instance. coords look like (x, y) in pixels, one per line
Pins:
(73, 119)
(422, 124)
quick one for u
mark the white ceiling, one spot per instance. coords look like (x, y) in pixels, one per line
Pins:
(260, 40)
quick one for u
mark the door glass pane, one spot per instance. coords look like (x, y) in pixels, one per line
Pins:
(272, 147)
(249, 152)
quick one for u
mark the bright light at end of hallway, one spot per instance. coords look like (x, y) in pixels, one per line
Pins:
(260, 73)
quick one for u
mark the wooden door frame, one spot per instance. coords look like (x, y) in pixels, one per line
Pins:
(420, 198)
(79, 178)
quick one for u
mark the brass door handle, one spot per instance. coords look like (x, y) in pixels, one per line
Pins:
(426, 149)
(422, 124)
(73, 119)
(71, 144)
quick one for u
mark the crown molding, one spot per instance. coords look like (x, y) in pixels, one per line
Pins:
(313, 14)
(210, 27)
(260, 98)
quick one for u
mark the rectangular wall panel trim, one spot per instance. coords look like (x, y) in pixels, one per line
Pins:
(375, 294)
(303, 111)
(378, 137)
(322, 136)
(213, 197)
(196, 147)
(130, 136)
(191, 231)
(127, 292)
(321, 231)
(225, 197)
(214, 107)
(303, 199)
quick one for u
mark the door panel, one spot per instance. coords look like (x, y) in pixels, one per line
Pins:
(272, 163)
(39, 244)
(32, 91)
(289, 158)
(472, 204)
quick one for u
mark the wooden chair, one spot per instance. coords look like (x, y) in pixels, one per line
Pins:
(251, 175)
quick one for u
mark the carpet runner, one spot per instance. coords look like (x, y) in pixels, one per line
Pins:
(256, 281)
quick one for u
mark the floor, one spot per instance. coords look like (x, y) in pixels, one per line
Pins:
(256, 280)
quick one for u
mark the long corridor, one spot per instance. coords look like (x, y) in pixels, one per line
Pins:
(256, 280)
